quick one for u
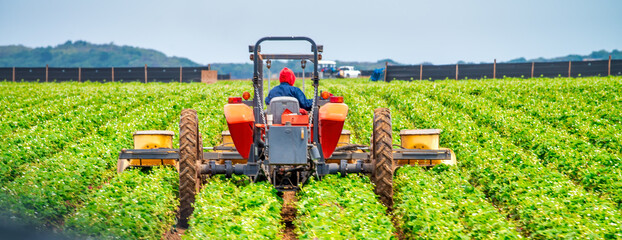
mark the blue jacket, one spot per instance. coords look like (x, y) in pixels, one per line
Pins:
(285, 90)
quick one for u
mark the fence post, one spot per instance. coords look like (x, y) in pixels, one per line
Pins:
(145, 73)
(180, 74)
(386, 68)
(494, 69)
(609, 67)
(456, 71)
(420, 71)
(532, 65)
(569, 67)
(112, 74)
(46, 73)
(13, 74)
(79, 74)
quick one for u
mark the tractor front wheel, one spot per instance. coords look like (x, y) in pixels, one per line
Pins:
(382, 150)
(190, 154)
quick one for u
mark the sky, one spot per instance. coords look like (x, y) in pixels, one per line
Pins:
(409, 32)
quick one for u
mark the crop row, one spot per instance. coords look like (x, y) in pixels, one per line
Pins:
(16, 96)
(57, 135)
(417, 218)
(595, 168)
(360, 112)
(361, 103)
(581, 115)
(46, 191)
(517, 172)
(226, 211)
(543, 202)
(136, 205)
(50, 188)
(469, 206)
(31, 145)
(442, 204)
(341, 208)
(206, 109)
(55, 103)
(35, 115)
(599, 96)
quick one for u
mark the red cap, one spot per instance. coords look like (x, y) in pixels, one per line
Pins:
(287, 75)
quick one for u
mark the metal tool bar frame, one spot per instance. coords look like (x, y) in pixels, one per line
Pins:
(170, 153)
(309, 57)
(398, 154)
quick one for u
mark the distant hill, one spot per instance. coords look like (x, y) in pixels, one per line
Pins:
(85, 54)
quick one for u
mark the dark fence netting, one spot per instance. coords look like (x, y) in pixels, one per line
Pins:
(129, 74)
(400, 72)
(475, 71)
(29, 74)
(616, 67)
(433, 72)
(550, 69)
(409, 72)
(162, 74)
(192, 74)
(518, 70)
(6, 74)
(97, 74)
(62, 74)
(591, 68)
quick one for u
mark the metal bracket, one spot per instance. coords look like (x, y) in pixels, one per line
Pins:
(421, 154)
(157, 153)
(251, 169)
(343, 167)
(251, 48)
(309, 57)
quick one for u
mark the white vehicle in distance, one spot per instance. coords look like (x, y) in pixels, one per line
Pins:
(348, 72)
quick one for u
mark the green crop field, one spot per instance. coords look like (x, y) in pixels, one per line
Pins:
(537, 158)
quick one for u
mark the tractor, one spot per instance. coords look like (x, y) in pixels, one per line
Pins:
(279, 145)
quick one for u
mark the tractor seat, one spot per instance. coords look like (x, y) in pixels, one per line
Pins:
(279, 104)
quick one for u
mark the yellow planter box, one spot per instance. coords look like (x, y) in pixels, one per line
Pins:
(226, 139)
(423, 139)
(420, 138)
(153, 139)
(344, 139)
(149, 140)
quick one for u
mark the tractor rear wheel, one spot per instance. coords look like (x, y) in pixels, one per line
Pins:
(189, 156)
(382, 150)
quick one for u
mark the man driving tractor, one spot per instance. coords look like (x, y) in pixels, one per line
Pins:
(286, 88)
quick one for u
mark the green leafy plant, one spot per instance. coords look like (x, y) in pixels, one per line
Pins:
(134, 205)
(442, 204)
(537, 158)
(226, 211)
(543, 202)
(342, 208)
